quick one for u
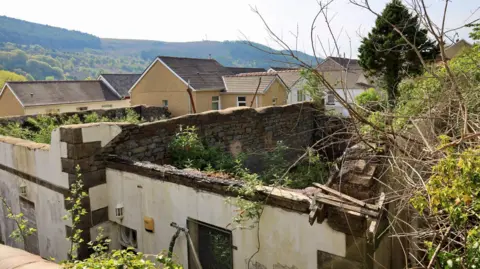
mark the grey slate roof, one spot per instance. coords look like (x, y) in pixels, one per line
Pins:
(36, 93)
(248, 83)
(121, 82)
(202, 73)
(240, 70)
(345, 62)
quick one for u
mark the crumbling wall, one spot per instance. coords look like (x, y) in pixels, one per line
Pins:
(149, 113)
(236, 130)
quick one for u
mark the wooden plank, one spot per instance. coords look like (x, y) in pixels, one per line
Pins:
(346, 197)
(353, 208)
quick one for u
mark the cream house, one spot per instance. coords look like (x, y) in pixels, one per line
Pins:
(191, 85)
(347, 78)
(42, 97)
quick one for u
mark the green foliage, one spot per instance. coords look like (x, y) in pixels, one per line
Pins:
(426, 93)
(27, 33)
(387, 55)
(21, 231)
(452, 191)
(9, 76)
(312, 85)
(75, 212)
(370, 100)
(124, 259)
(39, 128)
(311, 170)
(188, 151)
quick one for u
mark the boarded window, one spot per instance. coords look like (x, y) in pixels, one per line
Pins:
(212, 245)
(28, 209)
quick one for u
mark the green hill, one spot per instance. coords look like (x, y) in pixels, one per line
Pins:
(40, 52)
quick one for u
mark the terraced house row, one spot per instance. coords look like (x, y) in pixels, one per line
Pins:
(185, 86)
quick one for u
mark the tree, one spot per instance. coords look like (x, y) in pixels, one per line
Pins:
(9, 76)
(386, 54)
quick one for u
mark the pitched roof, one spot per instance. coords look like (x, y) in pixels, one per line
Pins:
(346, 62)
(340, 80)
(290, 77)
(278, 68)
(121, 82)
(37, 93)
(248, 82)
(239, 70)
(201, 73)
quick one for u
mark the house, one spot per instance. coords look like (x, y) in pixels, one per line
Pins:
(41, 97)
(347, 78)
(146, 206)
(121, 83)
(192, 85)
(295, 83)
(254, 89)
(455, 49)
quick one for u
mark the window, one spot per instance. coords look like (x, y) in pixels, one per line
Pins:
(213, 246)
(330, 99)
(128, 237)
(241, 101)
(165, 103)
(300, 96)
(274, 101)
(215, 102)
(82, 108)
(106, 106)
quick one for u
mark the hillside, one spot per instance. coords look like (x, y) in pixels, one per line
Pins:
(40, 52)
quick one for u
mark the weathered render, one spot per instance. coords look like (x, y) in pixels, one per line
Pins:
(124, 166)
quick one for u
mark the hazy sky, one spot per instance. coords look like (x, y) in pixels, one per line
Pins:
(193, 20)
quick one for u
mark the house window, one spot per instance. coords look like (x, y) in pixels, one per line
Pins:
(107, 106)
(212, 245)
(82, 108)
(274, 101)
(330, 99)
(215, 102)
(165, 103)
(128, 237)
(300, 96)
(241, 101)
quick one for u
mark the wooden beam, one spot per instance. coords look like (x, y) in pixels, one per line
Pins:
(325, 199)
(346, 197)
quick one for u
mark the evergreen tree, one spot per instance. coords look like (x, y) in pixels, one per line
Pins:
(386, 55)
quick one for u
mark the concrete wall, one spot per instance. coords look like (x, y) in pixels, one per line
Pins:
(286, 238)
(9, 104)
(38, 167)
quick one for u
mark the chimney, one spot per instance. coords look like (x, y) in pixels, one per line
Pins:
(210, 56)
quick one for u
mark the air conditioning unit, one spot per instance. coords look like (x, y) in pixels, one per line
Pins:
(119, 211)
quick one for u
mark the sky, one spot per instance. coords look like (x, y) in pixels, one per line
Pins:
(219, 20)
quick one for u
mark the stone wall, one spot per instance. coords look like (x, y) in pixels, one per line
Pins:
(149, 113)
(236, 130)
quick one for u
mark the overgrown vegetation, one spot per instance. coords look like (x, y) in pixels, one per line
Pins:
(39, 129)
(102, 258)
(22, 230)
